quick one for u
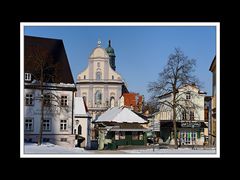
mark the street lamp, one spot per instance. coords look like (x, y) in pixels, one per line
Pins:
(192, 135)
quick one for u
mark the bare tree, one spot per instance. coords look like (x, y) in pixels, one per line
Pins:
(43, 71)
(175, 75)
(151, 106)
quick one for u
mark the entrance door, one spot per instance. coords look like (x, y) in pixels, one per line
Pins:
(80, 138)
(79, 129)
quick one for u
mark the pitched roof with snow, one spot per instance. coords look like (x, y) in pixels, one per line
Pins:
(120, 115)
(80, 109)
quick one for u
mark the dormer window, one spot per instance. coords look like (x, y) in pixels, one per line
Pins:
(188, 95)
(27, 76)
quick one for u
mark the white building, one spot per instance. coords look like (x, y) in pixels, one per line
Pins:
(82, 120)
(99, 84)
(58, 92)
(191, 127)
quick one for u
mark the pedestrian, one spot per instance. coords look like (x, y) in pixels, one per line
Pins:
(178, 142)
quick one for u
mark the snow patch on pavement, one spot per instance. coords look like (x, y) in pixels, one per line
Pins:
(48, 148)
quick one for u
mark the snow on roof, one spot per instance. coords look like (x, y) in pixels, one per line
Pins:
(79, 107)
(120, 115)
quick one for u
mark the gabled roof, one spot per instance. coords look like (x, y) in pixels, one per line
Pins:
(185, 85)
(120, 115)
(124, 89)
(213, 64)
(80, 109)
(58, 62)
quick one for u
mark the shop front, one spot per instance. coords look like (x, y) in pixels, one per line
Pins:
(119, 126)
(188, 133)
(129, 137)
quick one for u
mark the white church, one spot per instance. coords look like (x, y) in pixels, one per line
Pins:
(100, 84)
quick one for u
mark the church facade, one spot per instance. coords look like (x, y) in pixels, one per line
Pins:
(99, 84)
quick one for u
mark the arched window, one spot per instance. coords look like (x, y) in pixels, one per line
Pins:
(98, 97)
(112, 101)
(98, 75)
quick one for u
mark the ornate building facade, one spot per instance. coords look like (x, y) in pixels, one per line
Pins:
(99, 84)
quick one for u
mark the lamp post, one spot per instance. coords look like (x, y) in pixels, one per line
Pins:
(192, 135)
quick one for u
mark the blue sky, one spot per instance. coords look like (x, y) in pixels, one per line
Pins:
(141, 51)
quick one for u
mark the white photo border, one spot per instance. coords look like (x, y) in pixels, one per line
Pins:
(213, 24)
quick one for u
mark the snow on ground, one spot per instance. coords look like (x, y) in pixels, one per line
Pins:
(48, 148)
(170, 151)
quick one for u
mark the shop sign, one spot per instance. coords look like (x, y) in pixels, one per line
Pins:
(191, 124)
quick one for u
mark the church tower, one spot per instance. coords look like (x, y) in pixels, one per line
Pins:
(99, 84)
(111, 54)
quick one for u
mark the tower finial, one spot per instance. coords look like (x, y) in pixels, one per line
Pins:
(99, 42)
(109, 43)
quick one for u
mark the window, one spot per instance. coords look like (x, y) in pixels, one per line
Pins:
(194, 136)
(112, 77)
(140, 135)
(121, 135)
(206, 112)
(27, 77)
(46, 139)
(134, 135)
(28, 124)
(63, 125)
(64, 101)
(184, 115)
(46, 125)
(112, 102)
(191, 115)
(98, 97)
(98, 75)
(116, 135)
(47, 100)
(29, 100)
(188, 95)
(84, 77)
(64, 139)
(187, 137)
